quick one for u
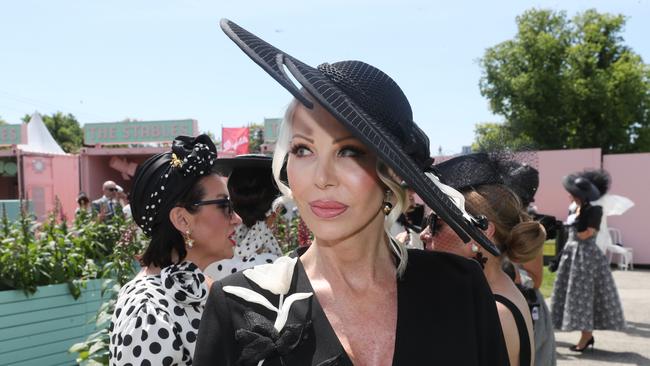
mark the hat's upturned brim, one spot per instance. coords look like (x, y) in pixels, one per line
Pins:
(225, 166)
(569, 185)
(364, 127)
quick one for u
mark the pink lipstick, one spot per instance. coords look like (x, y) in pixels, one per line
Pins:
(326, 209)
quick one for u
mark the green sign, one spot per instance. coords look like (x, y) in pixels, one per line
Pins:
(137, 132)
(10, 134)
(271, 129)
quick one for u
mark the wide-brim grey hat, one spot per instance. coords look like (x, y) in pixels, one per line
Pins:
(375, 110)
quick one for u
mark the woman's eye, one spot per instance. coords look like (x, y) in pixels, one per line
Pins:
(350, 152)
(300, 150)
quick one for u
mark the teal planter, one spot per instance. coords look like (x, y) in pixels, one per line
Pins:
(39, 329)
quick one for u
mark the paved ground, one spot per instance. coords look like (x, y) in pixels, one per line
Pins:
(630, 347)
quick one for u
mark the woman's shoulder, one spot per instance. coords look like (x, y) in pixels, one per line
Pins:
(177, 286)
(433, 262)
(597, 209)
(141, 296)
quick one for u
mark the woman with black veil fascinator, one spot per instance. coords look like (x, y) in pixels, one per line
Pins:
(488, 184)
(355, 296)
(182, 206)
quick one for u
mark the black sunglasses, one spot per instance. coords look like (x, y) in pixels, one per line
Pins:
(112, 189)
(434, 222)
(223, 203)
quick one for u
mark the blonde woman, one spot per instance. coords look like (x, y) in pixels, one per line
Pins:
(355, 296)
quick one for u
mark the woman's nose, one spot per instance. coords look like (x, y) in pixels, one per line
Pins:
(235, 219)
(325, 175)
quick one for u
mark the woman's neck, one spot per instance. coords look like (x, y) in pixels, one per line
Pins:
(493, 273)
(358, 260)
(201, 261)
(198, 260)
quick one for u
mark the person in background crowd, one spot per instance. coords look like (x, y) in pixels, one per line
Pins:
(354, 296)
(523, 179)
(252, 192)
(408, 226)
(107, 205)
(182, 205)
(84, 204)
(481, 179)
(584, 294)
(122, 198)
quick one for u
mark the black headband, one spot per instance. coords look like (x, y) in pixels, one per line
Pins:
(163, 178)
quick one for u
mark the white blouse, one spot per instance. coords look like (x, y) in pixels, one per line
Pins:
(255, 245)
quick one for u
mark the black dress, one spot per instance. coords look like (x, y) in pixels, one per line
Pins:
(446, 316)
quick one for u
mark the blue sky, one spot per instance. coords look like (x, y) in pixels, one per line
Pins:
(105, 61)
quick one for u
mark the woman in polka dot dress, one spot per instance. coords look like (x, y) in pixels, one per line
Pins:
(252, 191)
(183, 206)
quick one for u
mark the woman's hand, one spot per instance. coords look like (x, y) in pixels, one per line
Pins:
(583, 235)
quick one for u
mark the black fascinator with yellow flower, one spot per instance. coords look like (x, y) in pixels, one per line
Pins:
(166, 177)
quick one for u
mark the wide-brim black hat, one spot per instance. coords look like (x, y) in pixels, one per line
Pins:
(470, 171)
(374, 109)
(580, 187)
(599, 177)
(225, 166)
(523, 179)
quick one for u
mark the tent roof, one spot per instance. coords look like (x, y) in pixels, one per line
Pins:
(39, 139)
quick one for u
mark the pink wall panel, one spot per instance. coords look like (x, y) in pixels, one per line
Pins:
(553, 165)
(66, 182)
(631, 178)
(50, 176)
(95, 167)
(38, 177)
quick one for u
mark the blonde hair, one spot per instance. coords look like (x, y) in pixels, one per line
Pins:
(397, 194)
(518, 237)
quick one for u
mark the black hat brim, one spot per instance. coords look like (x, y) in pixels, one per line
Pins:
(225, 166)
(359, 123)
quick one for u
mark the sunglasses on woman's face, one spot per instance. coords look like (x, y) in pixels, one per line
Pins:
(434, 222)
(223, 203)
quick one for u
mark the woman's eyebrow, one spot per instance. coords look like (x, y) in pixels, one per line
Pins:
(336, 141)
(303, 137)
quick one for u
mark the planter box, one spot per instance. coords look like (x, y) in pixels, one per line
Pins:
(38, 329)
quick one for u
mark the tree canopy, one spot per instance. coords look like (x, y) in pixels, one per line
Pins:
(65, 130)
(567, 83)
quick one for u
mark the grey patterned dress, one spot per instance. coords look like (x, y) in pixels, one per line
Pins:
(584, 294)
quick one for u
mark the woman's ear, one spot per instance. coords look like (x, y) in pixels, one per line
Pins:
(181, 219)
(489, 232)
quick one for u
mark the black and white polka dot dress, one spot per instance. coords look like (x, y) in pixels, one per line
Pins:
(157, 317)
(255, 245)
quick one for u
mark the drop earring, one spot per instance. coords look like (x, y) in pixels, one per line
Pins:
(388, 207)
(478, 255)
(189, 242)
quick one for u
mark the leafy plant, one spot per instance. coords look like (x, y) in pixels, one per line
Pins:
(118, 270)
(291, 234)
(36, 254)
